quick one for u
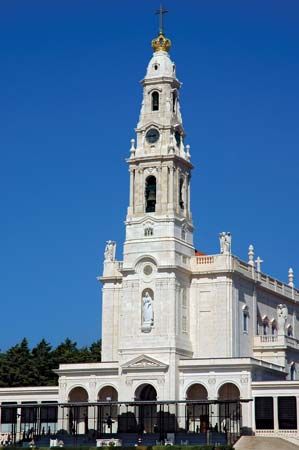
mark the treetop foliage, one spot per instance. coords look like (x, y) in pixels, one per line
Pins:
(20, 366)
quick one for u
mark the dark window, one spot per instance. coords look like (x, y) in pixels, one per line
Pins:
(174, 101)
(155, 101)
(287, 415)
(181, 201)
(264, 413)
(150, 194)
(8, 415)
(49, 413)
(28, 414)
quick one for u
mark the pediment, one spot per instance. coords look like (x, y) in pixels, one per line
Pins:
(144, 362)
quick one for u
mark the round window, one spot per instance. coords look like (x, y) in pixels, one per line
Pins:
(148, 270)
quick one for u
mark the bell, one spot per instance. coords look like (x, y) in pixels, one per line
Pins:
(151, 196)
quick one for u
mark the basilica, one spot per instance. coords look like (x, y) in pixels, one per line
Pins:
(196, 348)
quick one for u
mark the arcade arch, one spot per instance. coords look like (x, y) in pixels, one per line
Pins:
(229, 408)
(108, 411)
(78, 415)
(197, 411)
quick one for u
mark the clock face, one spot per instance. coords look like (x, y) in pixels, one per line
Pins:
(152, 135)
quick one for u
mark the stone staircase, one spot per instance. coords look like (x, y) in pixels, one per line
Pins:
(264, 443)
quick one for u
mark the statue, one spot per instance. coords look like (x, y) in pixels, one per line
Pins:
(147, 310)
(225, 242)
(282, 315)
(110, 249)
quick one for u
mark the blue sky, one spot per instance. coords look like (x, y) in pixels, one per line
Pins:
(69, 102)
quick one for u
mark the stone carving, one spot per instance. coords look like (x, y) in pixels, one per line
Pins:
(147, 309)
(110, 249)
(282, 315)
(212, 380)
(144, 363)
(225, 242)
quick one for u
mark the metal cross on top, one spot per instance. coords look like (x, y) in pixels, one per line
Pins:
(161, 11)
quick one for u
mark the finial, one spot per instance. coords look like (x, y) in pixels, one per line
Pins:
(258, 261)
(291, 277)
(161, 43)
(251, 255)
(188, 155)
(132, 149)
(161, 11)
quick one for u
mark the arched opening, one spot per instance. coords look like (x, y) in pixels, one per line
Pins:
(273, 327)
(181, 194)
(245, 318)
(155, 101)
(197, 412)
(293, 371)
(265, 324)
(146, 413)
(174, 100)
(229, 408)
(78, 415)
(289, 330)
(150, 194)
(108, 411)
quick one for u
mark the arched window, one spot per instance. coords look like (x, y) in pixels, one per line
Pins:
(293, 371)
(273, 327)
(290, 330)
(265, 325)
(174, 97)
(148, 231)
(155, 101)
(181, 200)
(245, 318)
(150, 194)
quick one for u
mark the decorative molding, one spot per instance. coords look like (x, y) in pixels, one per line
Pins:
(212, 380)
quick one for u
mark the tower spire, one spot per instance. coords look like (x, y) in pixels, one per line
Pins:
(161, 42)
(161, 11)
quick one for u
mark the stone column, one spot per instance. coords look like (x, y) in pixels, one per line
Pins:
(275, 413)
(158, 189)
(164, 187)
(171, 185)
(18, 425)
(176, 190)
(189, 193)
(132, 190)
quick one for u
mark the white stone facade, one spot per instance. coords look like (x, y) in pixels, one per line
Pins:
(172, 317)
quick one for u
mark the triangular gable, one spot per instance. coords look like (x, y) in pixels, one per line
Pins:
(144, 362)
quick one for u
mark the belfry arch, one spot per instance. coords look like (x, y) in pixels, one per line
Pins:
(150, 194)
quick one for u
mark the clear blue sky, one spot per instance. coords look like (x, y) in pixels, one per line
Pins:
(69, 102)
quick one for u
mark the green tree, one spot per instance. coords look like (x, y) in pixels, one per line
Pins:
(44, 363)
(17, 368)
(96, 351)
(66, 353)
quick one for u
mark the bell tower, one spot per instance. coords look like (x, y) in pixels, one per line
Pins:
(160, 167)
(146, 297)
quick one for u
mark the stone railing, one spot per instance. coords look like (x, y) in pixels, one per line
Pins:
(204, 259)
(274, 341)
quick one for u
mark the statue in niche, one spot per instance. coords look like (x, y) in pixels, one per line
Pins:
(110, 249)
(147, 310)
(282, 315)
(225, 242)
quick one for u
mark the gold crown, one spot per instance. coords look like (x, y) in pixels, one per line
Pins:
(161, 43)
